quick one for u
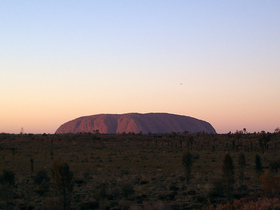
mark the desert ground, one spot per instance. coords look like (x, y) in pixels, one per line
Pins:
(134, 171)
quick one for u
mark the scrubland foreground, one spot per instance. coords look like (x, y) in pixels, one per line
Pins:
(129, 171)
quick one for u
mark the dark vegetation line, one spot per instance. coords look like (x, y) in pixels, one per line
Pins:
(135, 171)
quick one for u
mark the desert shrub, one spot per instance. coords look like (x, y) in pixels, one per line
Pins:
(102, 194)
(258, 165)
(142, 182)
(162, 197)
(62, 178)
(31, 165)
(274, 165)
(113, 192)
(182, 178)
(7, 182)
(86, 175)
(53, 203)
(195, 156)
(42, 178)
(191, 192)
(125, 172)
(147, 206)
(39, 190)
(171, 195)
(103, 191)
(7, 178)
(242, 191)
(187, 163)
(270, 183)
(79, 182)
(89, 205)
(228, 175)
(127, 189)
(216, 190)
(173, 187)
(201, 199)
(241, 164)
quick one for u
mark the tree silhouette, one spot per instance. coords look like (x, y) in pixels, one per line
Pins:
(187, 163)
(228, 175)
(190, 140)
(241, 164)
(62, 178)
(258, 166)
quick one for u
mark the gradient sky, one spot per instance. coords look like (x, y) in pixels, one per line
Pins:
(218, 61)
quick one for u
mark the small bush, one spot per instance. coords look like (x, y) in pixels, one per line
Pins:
(127, 189)
(62, 178)
(144, 182)
(52, 203)
(191, 192)
(217, 189)
(7, 178)
(173, 187)
(270, 184)
(187, 163)
(7, 182)
(228, 175)
(258, 165)
(39, 190)
(41, 177)
(274, 165)
(89, 205)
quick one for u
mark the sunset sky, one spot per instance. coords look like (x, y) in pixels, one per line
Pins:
(218, 61)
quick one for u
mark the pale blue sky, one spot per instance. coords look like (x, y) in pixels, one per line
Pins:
(60, 60)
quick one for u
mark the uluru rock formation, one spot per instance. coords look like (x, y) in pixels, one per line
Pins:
(135, 123)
